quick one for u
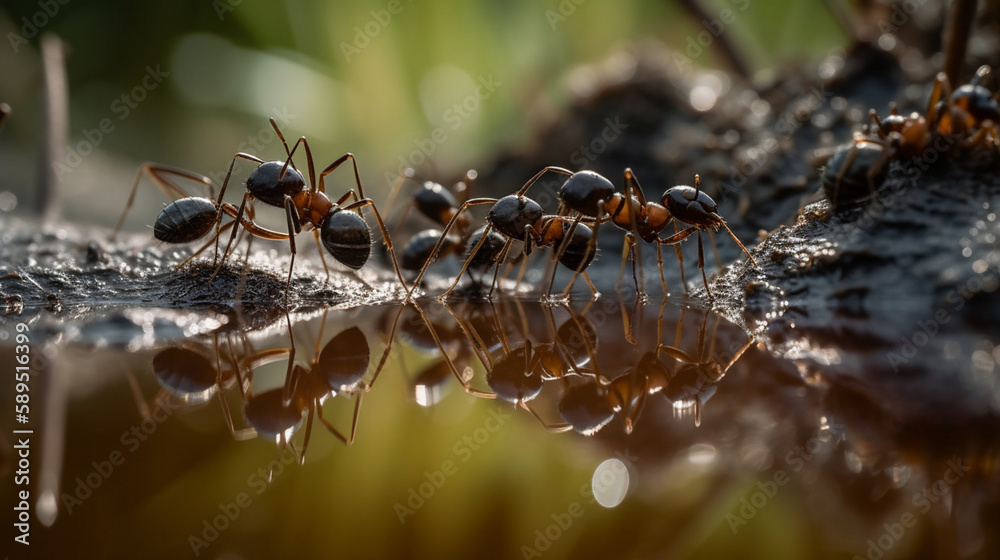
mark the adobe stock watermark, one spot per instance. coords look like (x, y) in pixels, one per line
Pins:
(565, 9)
(366, 33)
(33, 24)
(229, 511)
(225, 7)
(795, 461)
(131, 439)
(122, 106)
(785, 127)
(901, 14)
(607, 487)
(921, 502)
(927, 329)
(697, 44)
(588, 153)
(463, 450)
(454, 116)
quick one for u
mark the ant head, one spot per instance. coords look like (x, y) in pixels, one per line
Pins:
(185, 220)
(691, 205)
(273, 180)
(512, 213)
(347, 237)
(584, 192)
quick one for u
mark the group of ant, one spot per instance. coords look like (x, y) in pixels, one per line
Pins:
(961, 125)
(521, 354)
(968, 119)
(586, 198)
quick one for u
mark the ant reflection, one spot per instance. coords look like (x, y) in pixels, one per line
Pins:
(195, 373)
(530, 362)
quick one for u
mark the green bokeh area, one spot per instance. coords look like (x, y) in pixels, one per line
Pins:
(373, 78)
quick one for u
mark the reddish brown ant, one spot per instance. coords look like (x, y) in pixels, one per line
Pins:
(520, 218)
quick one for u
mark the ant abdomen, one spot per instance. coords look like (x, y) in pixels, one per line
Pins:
(435, 202)
(577, 254)
(488, 252)
(512, 214)
(854, 172)
(271, 415)
(264, 184)
(344, 360)
(510, 382)
(346, 236)
(585, 192)
(586, 408)
(185, 220)
(419, 248)
(185, 373)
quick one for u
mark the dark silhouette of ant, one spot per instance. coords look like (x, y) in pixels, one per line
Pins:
(519, 218)
(4, 111)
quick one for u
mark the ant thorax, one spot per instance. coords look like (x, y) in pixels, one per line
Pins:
(313, 206)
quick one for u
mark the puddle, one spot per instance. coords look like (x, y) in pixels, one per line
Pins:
(656, 428)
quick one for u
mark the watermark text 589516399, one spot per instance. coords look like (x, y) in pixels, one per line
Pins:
(22, 437)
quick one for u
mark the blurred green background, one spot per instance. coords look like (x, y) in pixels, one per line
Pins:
(349, 76)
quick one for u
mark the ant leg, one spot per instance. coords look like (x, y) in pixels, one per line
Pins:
(205, 246)
(232, 237)
(701, 265)
(388, 347)
(956, 37)
(385, 234)
(561, 250)
(337, 163)
(591, 250)
(225, 185)
(159, 175)
(941, 89)
(451, 365)
(322, 258)
(354, 421)
(659, 263)
(634, 189)
(554, 428)
(744, 249)
(538, 176)
(444, 235)
(626, 248)
(292, 217)
(496, 270)
(680, 258)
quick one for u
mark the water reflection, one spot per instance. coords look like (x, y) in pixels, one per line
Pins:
(663, 412)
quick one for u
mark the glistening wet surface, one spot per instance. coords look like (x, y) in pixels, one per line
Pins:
(621, 429)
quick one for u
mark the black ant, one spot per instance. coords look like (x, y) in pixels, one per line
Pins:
(520, 218)
(345, 235)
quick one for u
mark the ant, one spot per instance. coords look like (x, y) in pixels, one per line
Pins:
(693, 207)
(519, 218)
(336, 369)
(970, 113)
(590, 194)
(345, 235)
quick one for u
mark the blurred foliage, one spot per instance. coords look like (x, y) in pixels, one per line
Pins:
(356, 77)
